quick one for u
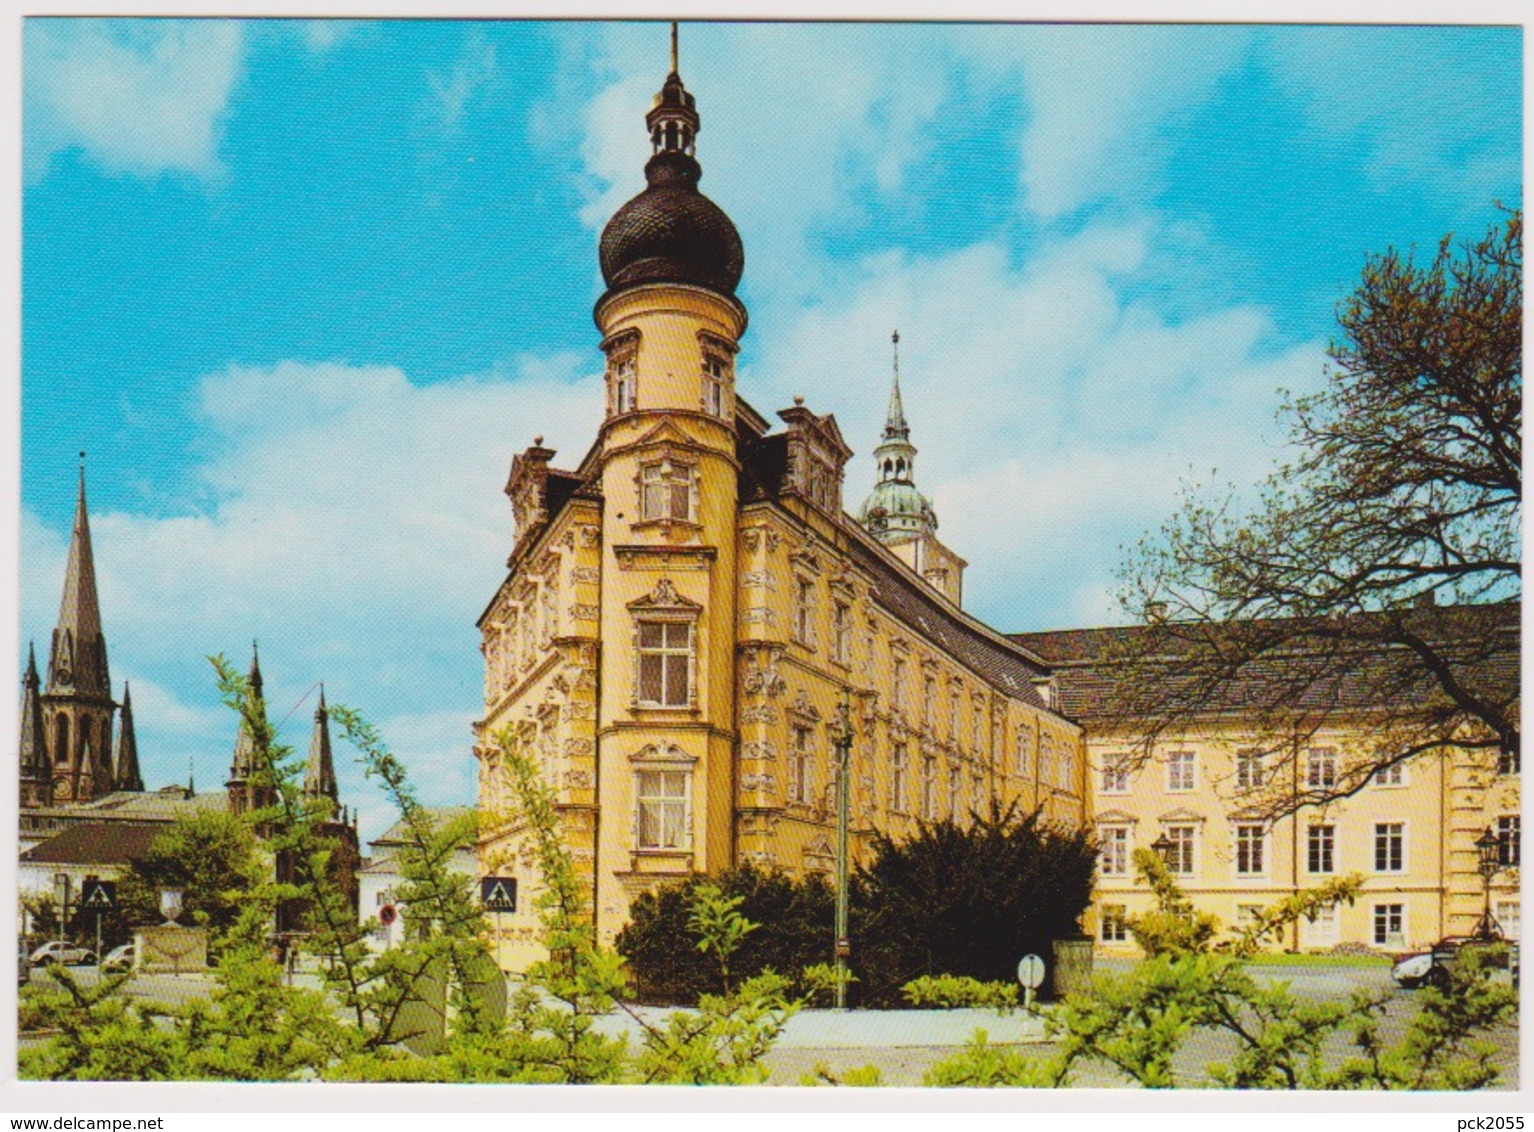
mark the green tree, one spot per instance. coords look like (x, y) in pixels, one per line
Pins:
(212, 856)
(1406, 492)
(973, 900)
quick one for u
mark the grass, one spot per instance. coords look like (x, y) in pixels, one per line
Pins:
(1285, 959)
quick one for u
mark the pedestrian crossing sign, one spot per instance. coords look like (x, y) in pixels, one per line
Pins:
(98, 896)
(498, 894)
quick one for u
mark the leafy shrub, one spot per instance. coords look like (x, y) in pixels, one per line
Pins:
(946, 992)
(967, 901)
(661, 940)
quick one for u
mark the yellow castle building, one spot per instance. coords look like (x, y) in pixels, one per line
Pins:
(685, 611)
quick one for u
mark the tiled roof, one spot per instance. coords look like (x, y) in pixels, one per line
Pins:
(1353, 663)
(95, 843)
(131, 806)
(398, 833)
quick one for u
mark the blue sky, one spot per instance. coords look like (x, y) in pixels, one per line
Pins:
(303, 288)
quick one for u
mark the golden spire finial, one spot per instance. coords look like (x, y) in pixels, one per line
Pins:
(673, 48)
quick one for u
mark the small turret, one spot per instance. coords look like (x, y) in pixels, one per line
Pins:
(320, 773)
(126, 774)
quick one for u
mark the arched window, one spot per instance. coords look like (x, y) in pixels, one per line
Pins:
(61, 741)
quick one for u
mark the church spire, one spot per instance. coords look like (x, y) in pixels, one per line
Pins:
(127, 775)
(895, 511)
(246, 774)
(78, 661)
(320, 774)
(36, 778)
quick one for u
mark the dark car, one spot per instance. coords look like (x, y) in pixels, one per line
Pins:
(1432, 968)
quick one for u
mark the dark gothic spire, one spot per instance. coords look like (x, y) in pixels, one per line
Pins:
(78, 661)
(35, 772)
(244, 763)
(320, 774)
(126, 775)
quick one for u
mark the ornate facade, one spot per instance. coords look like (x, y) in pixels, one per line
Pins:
(685, 610)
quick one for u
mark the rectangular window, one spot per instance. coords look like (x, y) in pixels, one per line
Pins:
(1320, 842)
(1390, 925)
(841, 634)
(625, 385)
(1392, 775)
(1389, 847)
(1179, 858)
(929, 788)
(665, 663)
(1508, 914)
(1321, 768)
(1181, 771)
(1114, 856)
(928, 701)
(977, 794)
(804, 611)
(1247, 915)
(899, 764)
(1322, 929)
(897, 686)
(1251, 839)
(1249, 770)
(1046, 758)
(663, 820)
(1509, 762)
(665, 491)
(1024, 750)
(1066, 765)
(801, 769)
(955, 793)
(975, 725)
(953, 719)
(1116, 774)
(1115, 923)
(715, 373)
(1508, 837)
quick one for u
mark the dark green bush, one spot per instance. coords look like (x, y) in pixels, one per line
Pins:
(795, 920)
(967, 901)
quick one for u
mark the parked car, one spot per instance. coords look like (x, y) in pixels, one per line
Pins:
(23, 963)
(57, 951)
(1431, 968)
(118, 959)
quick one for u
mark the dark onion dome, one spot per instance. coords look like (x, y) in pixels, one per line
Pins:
(672, 233)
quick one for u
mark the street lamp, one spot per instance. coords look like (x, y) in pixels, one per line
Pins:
(1489, 847)
(841, 738)
(1163, 847)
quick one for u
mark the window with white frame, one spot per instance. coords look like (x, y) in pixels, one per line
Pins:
(976, 726)
(1248, 915)
(1320, 848)
(1046, 758)
(928, 701)
(666, 491)
(929, 788)
(1392, 775)
(662, 799)
(804, 611)
(841, 633)
(1390, 847)
(977, 793)
(1509, 849)
(899, 768)
(1251, 849)
(953, 718)
(955, 792)
(1116, 849)
(1249, 769)
(897, 685)
(1180, 858)
(1116, 774)
(1321, 768)
(665, 663)
(1390, 925)
(801, 766)
(1066, 765)
(716, 372)
(1114, 923)
(1509, 761)
(1320, 928)
(1508, 914)
(625, 382)
(1181, 771)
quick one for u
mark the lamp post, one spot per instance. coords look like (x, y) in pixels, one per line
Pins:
(1488, 847)
(1163, 847)
(841, 737)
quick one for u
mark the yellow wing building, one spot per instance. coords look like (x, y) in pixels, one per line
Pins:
(686, 608)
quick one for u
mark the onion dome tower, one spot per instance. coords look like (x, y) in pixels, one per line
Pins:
(895, 510)
(671, 233)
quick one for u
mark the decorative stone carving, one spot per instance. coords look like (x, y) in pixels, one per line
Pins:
(661, 752)
(665, 596)
(803, 708)
(578, 779)
(758, 749)
(760, 713)
(577, 710)
(583, 611)
(763, 677)
(589, 535)
(761, 579)
(583, 574)
(578, 748)
(759, 615)
(762, 782)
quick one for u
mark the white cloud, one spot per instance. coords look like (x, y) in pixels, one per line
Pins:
(475, 72)
(358, 531)
(140, 97)
(1082, 411)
